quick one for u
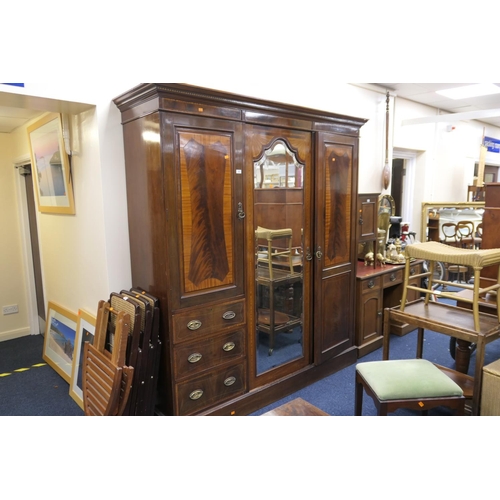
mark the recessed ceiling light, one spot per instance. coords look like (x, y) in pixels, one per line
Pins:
(476, 90)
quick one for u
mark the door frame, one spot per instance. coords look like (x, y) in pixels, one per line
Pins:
(410, 158)
(27, 256)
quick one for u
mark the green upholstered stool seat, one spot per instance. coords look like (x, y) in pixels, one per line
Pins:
(409, 383)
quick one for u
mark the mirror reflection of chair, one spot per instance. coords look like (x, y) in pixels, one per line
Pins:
(465, 233)
(449, 230)
(275, 271)
(478, 236)
(272, 254)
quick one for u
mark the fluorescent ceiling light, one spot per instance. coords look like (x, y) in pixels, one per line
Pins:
(476, 90)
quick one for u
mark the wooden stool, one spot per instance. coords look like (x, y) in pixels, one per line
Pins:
(458, 271)
(415, 384)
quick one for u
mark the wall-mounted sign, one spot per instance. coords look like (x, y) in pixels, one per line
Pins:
(15, 84)
(492, 145)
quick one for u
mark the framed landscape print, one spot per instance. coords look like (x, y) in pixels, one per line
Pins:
(59, 340)
(85, 330)
(50, 166)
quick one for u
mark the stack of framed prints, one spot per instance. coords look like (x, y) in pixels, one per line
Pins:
(65, 334)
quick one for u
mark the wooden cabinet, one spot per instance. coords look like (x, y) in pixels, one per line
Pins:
(367, 223)
(197, 190)
(433, 227)
(377, 289)
(491, 221)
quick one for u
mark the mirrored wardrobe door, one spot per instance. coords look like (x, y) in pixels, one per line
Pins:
(279, 160)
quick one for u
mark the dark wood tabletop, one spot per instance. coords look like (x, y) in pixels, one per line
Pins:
(296, 408)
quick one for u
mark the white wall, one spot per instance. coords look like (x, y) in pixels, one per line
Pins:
(12, 279)
(86, 256)
(445, 159)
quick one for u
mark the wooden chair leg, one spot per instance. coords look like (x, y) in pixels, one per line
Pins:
(420, 343)
(382, 410)
(358, 397)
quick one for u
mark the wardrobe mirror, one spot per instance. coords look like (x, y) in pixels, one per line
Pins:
(278, 216)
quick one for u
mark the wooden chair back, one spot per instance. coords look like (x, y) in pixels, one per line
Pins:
(465, 233)
(449, 230)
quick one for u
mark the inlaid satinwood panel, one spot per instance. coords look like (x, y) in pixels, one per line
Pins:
(206, 212)
(206, 223)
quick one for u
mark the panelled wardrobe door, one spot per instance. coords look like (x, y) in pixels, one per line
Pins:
(334, 252)
(278, 232)
(204, 202)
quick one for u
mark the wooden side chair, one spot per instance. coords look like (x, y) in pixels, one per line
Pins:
(465, 233)
(415, 384)
(449, 230)
(271, 254)
(478, 236)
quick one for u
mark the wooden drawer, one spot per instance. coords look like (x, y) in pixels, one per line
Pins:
(208, 354)
(211, 389)
(393, 277)
(415, 269)
(370, 284)
(206, 320)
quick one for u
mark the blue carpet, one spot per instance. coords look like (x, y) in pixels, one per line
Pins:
(335, 393)
(41, 391)
(32, 390)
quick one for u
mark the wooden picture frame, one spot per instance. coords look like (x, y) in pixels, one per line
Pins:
(50, 166)
(59, 340)
(85, 331)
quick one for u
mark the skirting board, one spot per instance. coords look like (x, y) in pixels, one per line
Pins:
(14, 334)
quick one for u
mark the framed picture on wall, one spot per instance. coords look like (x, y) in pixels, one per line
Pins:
(50, 166)
(59, 341)
(85, 331)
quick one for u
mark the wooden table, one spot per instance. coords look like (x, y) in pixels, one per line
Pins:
(448, 320)
(296, 408)
(488, 305)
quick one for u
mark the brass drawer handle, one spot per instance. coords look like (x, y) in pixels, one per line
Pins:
(228, 346)
(393, 277)
(229, 315)
(197, 394)
(195, 357)
(194, 324)
(229, 381)
(371, 284)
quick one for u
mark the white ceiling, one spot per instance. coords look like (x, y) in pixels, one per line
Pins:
(11, 118)
(485, 109)
(17, 108)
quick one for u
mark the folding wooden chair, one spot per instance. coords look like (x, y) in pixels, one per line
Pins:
(138, 398)
(107, 381)
(154, 351)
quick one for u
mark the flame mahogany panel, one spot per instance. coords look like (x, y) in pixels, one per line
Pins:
(338, 201)
(207, 216)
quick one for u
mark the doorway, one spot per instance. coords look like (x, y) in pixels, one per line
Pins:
(32, 242)
(397, 183)
(403, 183)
